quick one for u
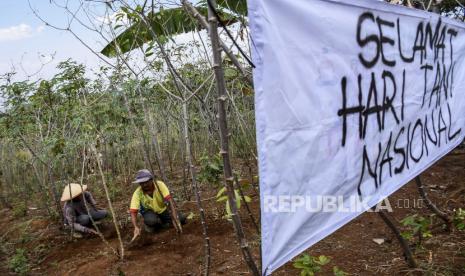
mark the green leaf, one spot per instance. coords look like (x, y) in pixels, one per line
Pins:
(237, 6)
(228, 209)
(299, 265)
(191, 216)
(214, 166)
(409, 221)
(149, 48)
(247, 199)
(230, 73)
(407, 235)
(164, 24)
(338, 272)
(222, 198)
(323, 260)
(119, 16)
(461, 226)
(220, 192)
(125, 10)
(459, 219)
(427, 234)
(238, 199)
(247, 91)
(87, 127)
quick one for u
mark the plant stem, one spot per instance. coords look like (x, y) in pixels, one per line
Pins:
(431, 206)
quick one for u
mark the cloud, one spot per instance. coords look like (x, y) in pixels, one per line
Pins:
(18, 32)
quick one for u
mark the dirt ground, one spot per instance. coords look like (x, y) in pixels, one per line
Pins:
(352, 249)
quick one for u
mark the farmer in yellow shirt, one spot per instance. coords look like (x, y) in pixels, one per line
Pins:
(151, 200)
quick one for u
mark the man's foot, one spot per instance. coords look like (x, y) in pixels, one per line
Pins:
(149, 229)
(98, 222)
(77, 235)
(182, 218)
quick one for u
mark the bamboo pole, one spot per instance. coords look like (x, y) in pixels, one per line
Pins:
(223, 129)
(196, 189)
(110, 205)
(99, 233)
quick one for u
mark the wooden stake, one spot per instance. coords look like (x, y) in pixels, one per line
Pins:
(110, 205)
(196, 189)
(403, 243)
(223, 129)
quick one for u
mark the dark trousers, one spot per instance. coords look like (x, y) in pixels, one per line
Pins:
(95, 214)
(154, 220)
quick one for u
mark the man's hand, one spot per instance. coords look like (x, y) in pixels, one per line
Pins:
(93, 232)
(136, 231)
(134, 222)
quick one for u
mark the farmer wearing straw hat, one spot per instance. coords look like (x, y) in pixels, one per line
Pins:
(76, 214)
(152, 199)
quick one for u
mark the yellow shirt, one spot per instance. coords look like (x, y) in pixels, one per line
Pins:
(155, 202)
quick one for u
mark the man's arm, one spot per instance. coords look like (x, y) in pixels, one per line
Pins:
(71, 219)
(133, 209)
(90, 200)
(134, 223)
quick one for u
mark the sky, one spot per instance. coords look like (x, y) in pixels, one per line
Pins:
(32, 49)
(26, 42)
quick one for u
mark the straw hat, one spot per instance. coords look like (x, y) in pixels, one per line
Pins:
(72, 190)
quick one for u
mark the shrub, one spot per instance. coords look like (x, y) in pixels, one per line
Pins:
(417, 226)
(459, 219)
(19, 210)
(211, 169)
(222, 196)
(18, 262)
(310, 265)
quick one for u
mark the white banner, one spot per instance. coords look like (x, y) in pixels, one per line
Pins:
(353, 100)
